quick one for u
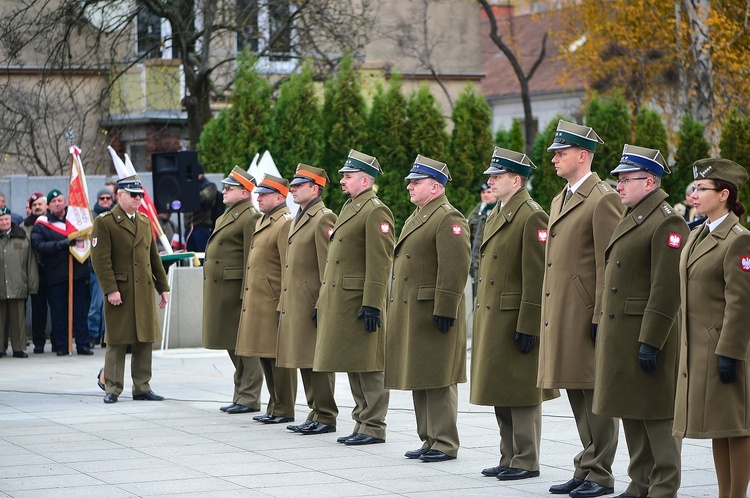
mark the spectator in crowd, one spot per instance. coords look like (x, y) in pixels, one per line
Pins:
(15, 218)
(20, 277)
(425, 348)
(104, 202)
(49, 239)
(477, 221)
(200, 223)
(713, 378)
(38, 205)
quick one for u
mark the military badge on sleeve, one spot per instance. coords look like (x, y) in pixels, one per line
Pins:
(94, 240)
(675, 240)
(745, 262)
(456, 230)
(385, 228)
(541, 235)
(330, 232)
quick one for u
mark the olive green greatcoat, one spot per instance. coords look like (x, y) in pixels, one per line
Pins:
(714, 286)
(509, 296)
(305, 262)
(640, 305)
(430, 269)
(357, 272)
(125, 260)
(258, 328)
(19, 270)
(223, 271)
(577, 236)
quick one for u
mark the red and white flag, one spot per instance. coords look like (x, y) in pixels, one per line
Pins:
(79, 222)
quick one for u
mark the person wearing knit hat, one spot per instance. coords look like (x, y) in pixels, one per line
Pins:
(227, 251)
(257, 334)
(713, 378)
(581, 221)
(636, 352)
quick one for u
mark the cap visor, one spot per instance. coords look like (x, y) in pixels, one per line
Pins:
(299, 181)
(264, 190)
(416, 176)
(624, 168)
(555, 146)
(231, 181)
(349, 169)
(494, 171)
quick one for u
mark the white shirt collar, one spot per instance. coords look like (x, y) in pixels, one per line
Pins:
(712, 226)
(577, 184)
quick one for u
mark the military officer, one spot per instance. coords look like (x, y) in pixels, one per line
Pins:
(259, 318)
(637, 342)
(582, 219)
(305, 262)
(227, 251)
(426, 341)
(712, 399)
(352, 298)
(129, 270)
(504, 359)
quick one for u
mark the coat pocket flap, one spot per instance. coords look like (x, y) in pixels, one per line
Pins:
(426, 294)
(233, 273)
(353, 283)
(121, 277)
(635, 306)
(510, 301)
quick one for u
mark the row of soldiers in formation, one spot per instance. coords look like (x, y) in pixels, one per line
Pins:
(589, 298)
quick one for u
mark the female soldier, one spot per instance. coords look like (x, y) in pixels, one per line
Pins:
(713, 389)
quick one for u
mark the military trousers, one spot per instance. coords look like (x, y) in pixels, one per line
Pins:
(319, 388)
(140, 367)
(655, 458)
(520, 436)
(437, 414)
(370, 403)
(13, 323)
(282, 388)
(248, 380)
(598, 435)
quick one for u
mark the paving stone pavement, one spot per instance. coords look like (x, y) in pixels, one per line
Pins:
(58, 439)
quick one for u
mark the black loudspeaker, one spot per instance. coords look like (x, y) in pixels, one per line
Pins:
(176, 183)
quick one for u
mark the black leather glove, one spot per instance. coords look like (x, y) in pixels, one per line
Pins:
(525, 342)
(647, 357)
(278, 318)
(444, 323)
(594, 328)
(315, 317)
(372, 318)
(64, 244)
(727, 369)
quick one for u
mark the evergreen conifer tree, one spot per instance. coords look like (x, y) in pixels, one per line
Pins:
(296, 134)
(691, 146)
(650, 131)
(545, 184)
(610, 119)
(516, 141)
(471, 148)
(502, 138)
(735, 145)
(427, 135)
(213, 146)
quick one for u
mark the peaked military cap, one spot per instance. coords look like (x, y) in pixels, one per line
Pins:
(130, 184)
(358, 161)
(238, 177)
(306, 173)
(273, 185)
(715, 168)
(424, 167)
(509, 161)
(572, 135)
(636, 158)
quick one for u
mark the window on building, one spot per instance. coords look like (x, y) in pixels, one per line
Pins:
(265, 29)
(149, 34)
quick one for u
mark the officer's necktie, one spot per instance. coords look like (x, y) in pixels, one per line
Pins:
(568, 195)
(704, 233)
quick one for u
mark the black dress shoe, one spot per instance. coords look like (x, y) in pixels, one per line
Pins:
(276, 420)
(414, 454)
(261, 417)
(436, 456)
(62, 352)
(39, 350)
(99, 380)
(84, 351)
(239, 409)
(565, 488)
(297, 428)
(110, 398)
(344, 439)
(148, 396)
(515, 474)
(19, 354)
(225, 408)
(362, 439)
(589, 489)
(493, 471)
(317, 428)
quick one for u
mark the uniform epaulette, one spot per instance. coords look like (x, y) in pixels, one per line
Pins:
(326, 210)
(447, 207)
(376, 201)
(288, 216)
(105, 213)
(666, 209)
(604, 187)
(739, 228)
(532, 203)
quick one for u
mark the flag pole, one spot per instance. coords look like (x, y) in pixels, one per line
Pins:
(69, 135)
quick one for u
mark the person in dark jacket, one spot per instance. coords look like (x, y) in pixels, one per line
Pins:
(200, 224)
(104, 202)
(50, 240)
(38, 205)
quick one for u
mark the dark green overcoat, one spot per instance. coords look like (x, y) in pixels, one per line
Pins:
(305, 262)
(430, 269)
(509, 299)
(640, 304)
(227, 252)
(125, 259)
(356, 274)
